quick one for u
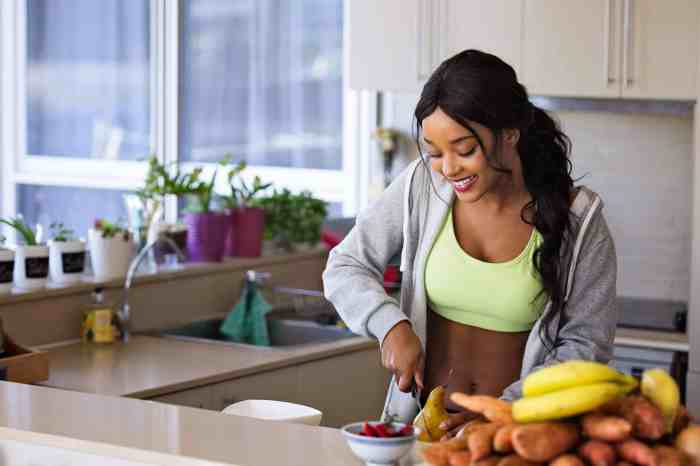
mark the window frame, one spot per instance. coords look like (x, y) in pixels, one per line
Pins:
(347, 185)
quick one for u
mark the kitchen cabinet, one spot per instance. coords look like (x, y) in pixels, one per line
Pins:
(619, 48)
(394, 45)
(345, 388)
(279, 384)
(200, 397)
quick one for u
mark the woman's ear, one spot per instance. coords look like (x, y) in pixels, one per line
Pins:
(511, 136)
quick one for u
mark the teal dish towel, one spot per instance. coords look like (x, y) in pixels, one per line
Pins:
(247, 323)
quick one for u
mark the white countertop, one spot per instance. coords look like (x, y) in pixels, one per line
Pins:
(167, 429)
(670, 341)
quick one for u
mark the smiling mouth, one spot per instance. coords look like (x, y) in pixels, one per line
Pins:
(464, 183)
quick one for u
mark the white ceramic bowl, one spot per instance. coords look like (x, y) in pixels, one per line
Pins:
(377, 451)
(272, 410)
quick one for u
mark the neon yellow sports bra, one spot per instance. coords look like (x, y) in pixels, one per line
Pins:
(493, 296)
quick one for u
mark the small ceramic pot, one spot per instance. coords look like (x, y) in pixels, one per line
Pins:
(31, 266)
(7, 266)
(110, 257)
(66, 261)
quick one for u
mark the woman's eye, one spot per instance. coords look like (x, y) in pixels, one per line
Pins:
(469, 152)
(434, 156)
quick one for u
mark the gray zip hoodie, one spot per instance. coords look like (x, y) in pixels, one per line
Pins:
(406, 220)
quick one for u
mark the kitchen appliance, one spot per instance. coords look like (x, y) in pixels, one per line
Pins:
(658, 315)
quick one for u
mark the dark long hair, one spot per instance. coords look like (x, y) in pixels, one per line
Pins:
(474, 86)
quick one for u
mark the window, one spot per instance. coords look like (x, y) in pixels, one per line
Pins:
(91, 89)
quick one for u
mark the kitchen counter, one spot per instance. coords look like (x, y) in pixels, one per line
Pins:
(150, 366)
(670, 341)
(163, 429)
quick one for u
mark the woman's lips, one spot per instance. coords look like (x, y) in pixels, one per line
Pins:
(465, 184)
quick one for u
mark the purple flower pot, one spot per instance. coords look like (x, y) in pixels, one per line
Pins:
(246, 234)
(206, 236)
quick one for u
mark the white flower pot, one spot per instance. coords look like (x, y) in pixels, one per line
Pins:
(7, 267)
(66, 261)
(110, 257)
(31, 266)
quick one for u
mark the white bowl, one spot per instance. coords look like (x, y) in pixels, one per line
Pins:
(272, 410)
(376, 451)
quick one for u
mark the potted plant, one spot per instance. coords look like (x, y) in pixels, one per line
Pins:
(162, 181)
(111, 248)
(206, 228)
(66, 255)
(292, 221)
(7, 265)
(247, 220)
(31, 269)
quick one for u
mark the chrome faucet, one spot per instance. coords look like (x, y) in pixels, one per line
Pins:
(124, 314)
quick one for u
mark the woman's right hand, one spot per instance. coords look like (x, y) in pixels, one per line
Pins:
(402, 354)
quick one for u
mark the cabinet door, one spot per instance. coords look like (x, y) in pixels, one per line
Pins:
(279, 384)
(384, 40)
(660, 53)
(572, 48)
(494, 26)
(345, 388)
(194, 398)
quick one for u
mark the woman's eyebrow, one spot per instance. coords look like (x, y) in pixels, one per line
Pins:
(454, 141)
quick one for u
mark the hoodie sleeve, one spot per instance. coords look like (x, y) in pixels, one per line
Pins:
(354, 276)
(588, 322)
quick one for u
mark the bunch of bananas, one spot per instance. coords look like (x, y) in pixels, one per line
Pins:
(569, 389)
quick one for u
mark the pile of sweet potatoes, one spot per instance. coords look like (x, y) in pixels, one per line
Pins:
(625, 432)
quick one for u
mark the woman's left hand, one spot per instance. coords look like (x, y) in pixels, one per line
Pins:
(455, 423)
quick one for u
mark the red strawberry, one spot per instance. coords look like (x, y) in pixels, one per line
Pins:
(406, 431)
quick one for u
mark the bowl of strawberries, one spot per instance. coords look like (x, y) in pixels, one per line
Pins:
(380, 443)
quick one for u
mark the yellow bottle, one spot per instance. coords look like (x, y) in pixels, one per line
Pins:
(100, 324)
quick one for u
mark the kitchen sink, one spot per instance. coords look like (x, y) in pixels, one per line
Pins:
(283, 332)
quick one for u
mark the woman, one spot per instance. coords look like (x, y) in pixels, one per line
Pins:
(507, 266)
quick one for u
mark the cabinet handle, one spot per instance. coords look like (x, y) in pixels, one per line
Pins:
(609, 16)
(627, 43)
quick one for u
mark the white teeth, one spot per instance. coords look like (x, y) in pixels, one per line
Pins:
(464, 182)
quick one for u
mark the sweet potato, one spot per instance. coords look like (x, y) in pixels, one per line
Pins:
(435, 455)
(480, 441)
(636, 452)
(566, 460)
(668, 456)
(541, 442)
(491, 408)
(459, 458)
(688, 443)
(502, 441)
(597, 453)
(682, 420)
(606, 428)
(515, 460)
(455, 444)
(488, 461)
(646, 419)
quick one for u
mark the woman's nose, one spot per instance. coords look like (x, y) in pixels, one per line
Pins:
(450, 165)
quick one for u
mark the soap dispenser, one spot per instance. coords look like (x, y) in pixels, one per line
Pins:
(100, 323)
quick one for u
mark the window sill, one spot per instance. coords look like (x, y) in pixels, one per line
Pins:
(229, 265)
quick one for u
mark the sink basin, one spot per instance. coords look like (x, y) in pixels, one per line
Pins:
(283, 332)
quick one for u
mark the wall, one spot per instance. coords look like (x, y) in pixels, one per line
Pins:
(641, 164)
(157, 301)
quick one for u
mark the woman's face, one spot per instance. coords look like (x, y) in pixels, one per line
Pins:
(455, 153)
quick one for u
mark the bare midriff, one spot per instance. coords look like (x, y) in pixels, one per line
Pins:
(482, 361)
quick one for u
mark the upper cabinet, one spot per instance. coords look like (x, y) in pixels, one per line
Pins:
(660, 51)
(395, 44)
(571, 58)
(617, 48)
(593, 48)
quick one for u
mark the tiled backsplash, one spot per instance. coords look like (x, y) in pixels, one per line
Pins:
(641, 164)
